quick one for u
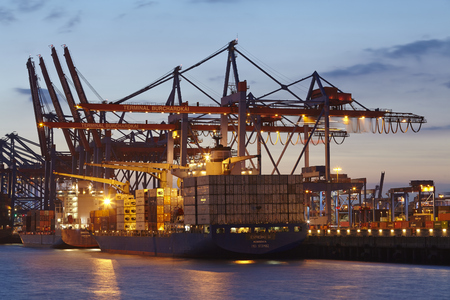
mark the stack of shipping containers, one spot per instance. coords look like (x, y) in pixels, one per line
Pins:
(39, 221)
(243, 199)
(141, 204)
(126, 212)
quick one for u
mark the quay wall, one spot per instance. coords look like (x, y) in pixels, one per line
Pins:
(392, 246)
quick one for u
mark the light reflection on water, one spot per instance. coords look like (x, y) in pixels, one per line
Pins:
(105, 279)
(89, 274)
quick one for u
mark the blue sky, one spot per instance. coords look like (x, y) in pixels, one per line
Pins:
(388, 54)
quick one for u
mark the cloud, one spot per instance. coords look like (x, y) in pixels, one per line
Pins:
(73, 22)
(144, 3)
(27, 92)
(415, 49)
(6, 16)
(436, 128)
(447, 84)
(29, 5)
(361, 69)
(55, 14)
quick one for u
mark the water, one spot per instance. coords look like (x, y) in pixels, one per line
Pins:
(28, 273)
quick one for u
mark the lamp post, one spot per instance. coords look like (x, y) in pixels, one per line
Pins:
(337, 169)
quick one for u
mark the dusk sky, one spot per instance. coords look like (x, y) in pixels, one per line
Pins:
(388, 54)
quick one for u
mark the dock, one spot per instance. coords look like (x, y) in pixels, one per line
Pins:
(414, 246)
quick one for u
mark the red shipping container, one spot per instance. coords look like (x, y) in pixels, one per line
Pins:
(344, 224)
(375, 225)
(398, 225)
(383, 225)
(429, 224)
(444, 217)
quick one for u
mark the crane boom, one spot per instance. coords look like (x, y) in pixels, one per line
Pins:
(160, 168)
(123, 187)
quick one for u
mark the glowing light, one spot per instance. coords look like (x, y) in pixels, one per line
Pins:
(404, 230)
(431, 230)
(107, 201)
(244, 262)
(380, 230)
(369, 230)
(392, 230)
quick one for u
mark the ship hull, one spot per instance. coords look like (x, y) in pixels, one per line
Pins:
(210, 245)
(78, 238)
(42, 240)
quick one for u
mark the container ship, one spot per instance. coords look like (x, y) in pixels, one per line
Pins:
(216, 215)
(67, 225)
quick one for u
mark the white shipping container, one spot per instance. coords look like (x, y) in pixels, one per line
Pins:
(141, 226)
(190, 191)
(119, 202)
(140, 193)
(203, 190)
(120, 225)
(220, 189)
(189, 209)
(203, 219)
(140, 209)
(140, 201)
(189, 181)
(190, 219)
(203, 209)
(140, 217)
(189, 200)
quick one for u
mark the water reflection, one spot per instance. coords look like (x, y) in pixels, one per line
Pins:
(105, 282)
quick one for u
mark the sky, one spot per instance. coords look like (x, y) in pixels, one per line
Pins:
(388, 54)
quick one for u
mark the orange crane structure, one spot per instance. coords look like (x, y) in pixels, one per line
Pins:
(241, 117)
